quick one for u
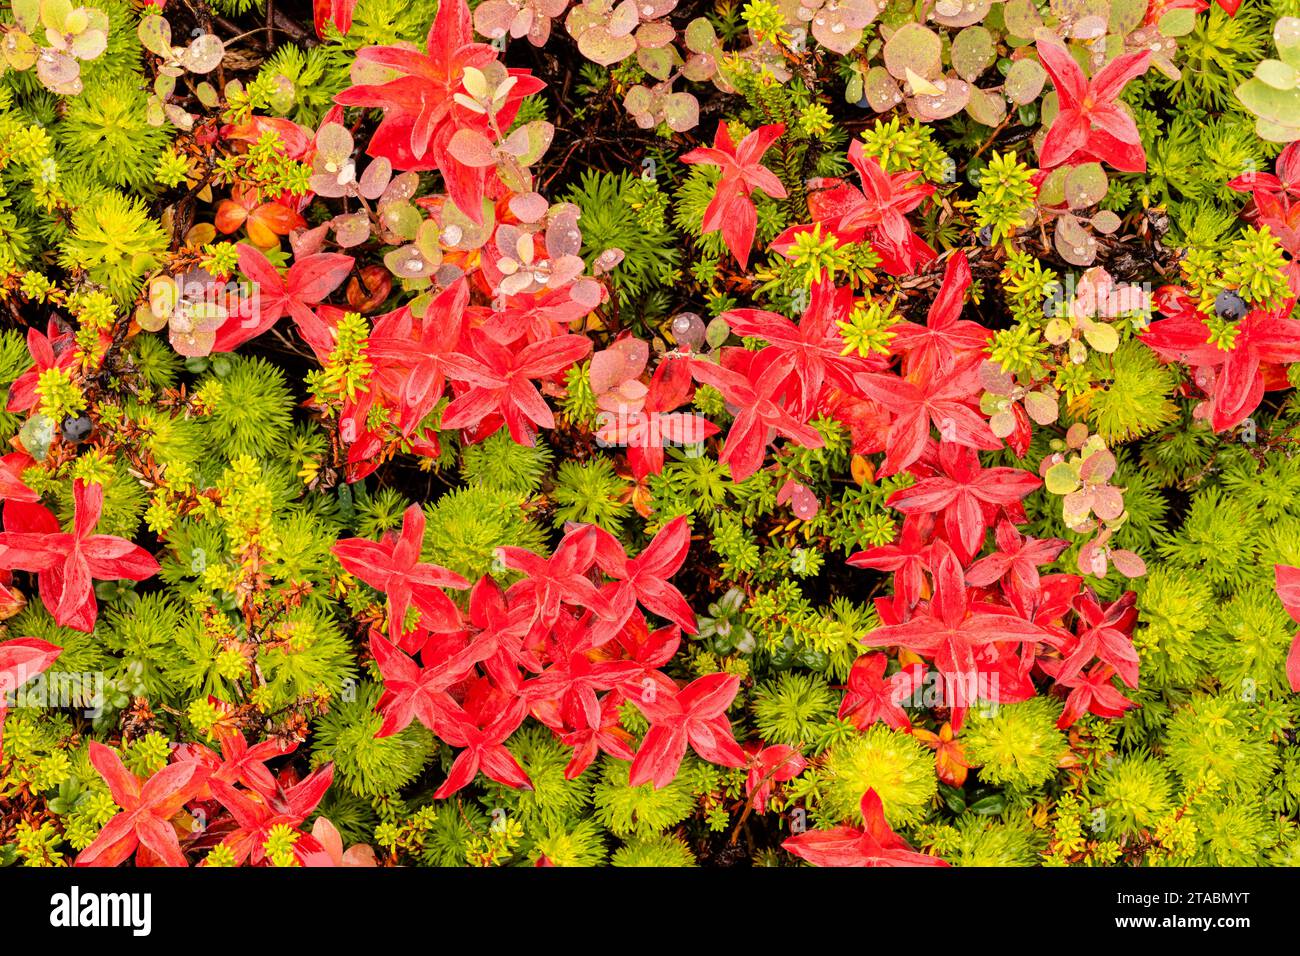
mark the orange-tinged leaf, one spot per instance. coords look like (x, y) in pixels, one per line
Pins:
(864, 473)
(269, 221)
(230, 216)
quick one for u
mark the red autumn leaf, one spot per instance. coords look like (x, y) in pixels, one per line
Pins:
(1016, 561)
(20, 660)
(337, 11)
(1091, 692)
(946, 342)
(571, 682)
(307, 283)
(952, 629)
(967, 496)
(68, 563)
(421, 114)
(1284, 184)
(757, 395)
(489, 716)
(1287, 584)
(1091, 123)
(644, 578)
(12, 488)
(144, 821)
(499, 383)
(409, 354)
(870, 696)
(812, 349)
(941, 402)
(769, 765)
(561, 579)
(393, 566)
(266, 221)
(1262, 337)
(876, 213)
(51, 351)
(255, 815)
(731, 210)
(907, 558)
(331, 842)
(1103, 633)
(873, 844)
(241, 763)
(696, 715)
(643, 432)
(503, 627)
(605, 736)
(412, 692)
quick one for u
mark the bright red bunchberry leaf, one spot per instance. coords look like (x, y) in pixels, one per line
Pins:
(408, 354)
(952, 629)
(644, 431)
(241, 763)
(696, 715)
(51, 351)
(756, 394)
(907, 558)
(337, 11)
(12, 488)
(731, 210)
(68, 563)
(499, 383)
(946, 343)
(560, 579)
(393, 566)
(256, 814)
(306, 284)
(813, 348)
(1016, 562)
(606, 736)
(967, 496)
(1103, 633)
(876, 213)
(1090, 123)
(1237, 384)
(644, 578)
(573, 680)
(421, 109)
(1283, 184)
(1091, 692)
(488, 717)
(147, 809)
(942, 402)
(769, 765)
(874, 844)
(20, 660)
(499, 645)
(412, 692)
(870, 696)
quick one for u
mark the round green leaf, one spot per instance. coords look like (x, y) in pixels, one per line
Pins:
(972, 51)
(1085, 185)
(1062, 478)
(913, 47)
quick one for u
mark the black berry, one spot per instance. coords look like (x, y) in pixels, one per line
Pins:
(77, 430)
(1228, 305)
